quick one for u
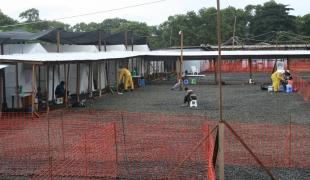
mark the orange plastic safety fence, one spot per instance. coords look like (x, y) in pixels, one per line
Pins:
(300, 66)
(242, 66)
(57, 146)
(275, 145)
(302, 87)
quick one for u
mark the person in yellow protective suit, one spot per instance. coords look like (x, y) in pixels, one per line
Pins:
(126, 78)
(276, 78)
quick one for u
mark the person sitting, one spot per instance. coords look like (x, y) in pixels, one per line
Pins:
(60, 90)
(190, 95)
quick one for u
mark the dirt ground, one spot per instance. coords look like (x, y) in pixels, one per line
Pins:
(242, 102)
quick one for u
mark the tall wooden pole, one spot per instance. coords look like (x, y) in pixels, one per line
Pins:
(17, 85)
(181, 59)
(221, 124)
(47, 87)
(33, 88)
(251, 73)
(53, 83)
(66, 85)
(78, 82)
(131, 40)
(58, 41)
(99, 78)
(4, 103)
(99, 40)
(126, 40)
(288, 63)
(234, 33)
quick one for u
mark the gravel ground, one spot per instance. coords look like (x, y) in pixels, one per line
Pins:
(241, 102)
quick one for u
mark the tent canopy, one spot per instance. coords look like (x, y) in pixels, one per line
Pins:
(198, 55)
(78, 38)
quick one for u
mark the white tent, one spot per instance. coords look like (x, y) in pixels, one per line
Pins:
(24, 72)
(89, 72)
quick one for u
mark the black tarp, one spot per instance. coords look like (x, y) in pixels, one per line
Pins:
(78, 38)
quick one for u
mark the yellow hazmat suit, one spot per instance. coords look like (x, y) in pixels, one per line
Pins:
(276, 77)
(125, 76)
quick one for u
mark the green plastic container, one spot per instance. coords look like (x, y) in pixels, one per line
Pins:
(193, 81)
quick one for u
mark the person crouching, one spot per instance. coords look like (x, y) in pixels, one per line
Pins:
(189, 96)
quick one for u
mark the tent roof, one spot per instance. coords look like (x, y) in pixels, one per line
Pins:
(79, 38)
(156, 55)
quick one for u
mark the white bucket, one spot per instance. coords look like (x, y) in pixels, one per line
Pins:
(270, 88)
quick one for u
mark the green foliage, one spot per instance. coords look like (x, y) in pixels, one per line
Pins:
(271, 18)
(4, 21)
(31, 15)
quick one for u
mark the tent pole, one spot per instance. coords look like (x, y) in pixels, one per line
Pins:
(131, 40)
(215, 71)
(250, 65)
(288, 63)
(66, 85)
(58, 40)
(47, 87)
(99, 40)
(126, 43)
(90, 80)
(17, 85)
(99, 78)
(4, 103)
(33, 89)
(78, 83)
(53, 84)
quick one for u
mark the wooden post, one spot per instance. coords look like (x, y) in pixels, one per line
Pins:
(90, 80)
(99, 40)
(53, 83)
(126, 40)
(17, 85)
(181, 57)
(215, 70)
(47, 87)
(99, 78)
(33, 89)
(58, 40)
(131, 40)
(288, 63)
(250, 66)
(4, 103)
(221, 123)
(78, 83)
(66, 85)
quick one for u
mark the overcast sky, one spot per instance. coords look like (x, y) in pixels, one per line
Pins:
(152, 14)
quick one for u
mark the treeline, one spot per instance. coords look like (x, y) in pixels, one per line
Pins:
(268, 23)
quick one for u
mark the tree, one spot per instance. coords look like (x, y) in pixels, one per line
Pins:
(271, 17)
(305, 25)
(6, 20)
(31, 15)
